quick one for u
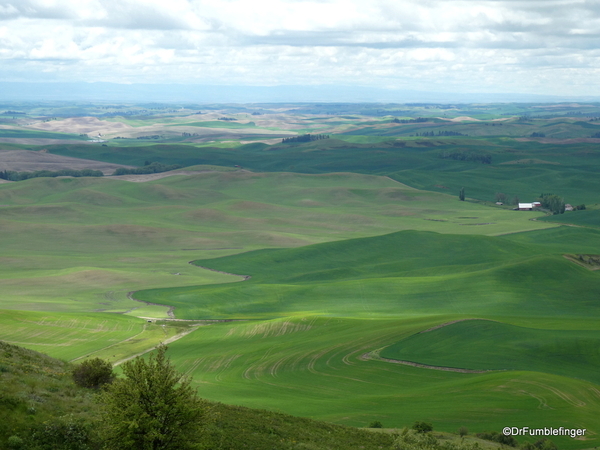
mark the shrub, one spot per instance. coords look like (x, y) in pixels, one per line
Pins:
(422, 427)
(376, 424)
(63, 433)
(494, 436)
(152, 407)
(413, 440)
(93, 373)
(463, 431)
(15, 442)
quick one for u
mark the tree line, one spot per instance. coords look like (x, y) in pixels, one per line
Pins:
(417, 120)
(459, 155)
(11, 175)
(304, 138)
(149, 167)
(440, 133)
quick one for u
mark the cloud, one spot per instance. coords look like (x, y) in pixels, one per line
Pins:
(455, 44)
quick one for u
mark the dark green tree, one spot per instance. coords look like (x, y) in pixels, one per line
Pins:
(422, 427)
(152, 408)
(461, 194)
(93, 373)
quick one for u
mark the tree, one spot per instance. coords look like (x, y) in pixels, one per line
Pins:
(516, 200)
(153, 407)
(461, 194)
(93, 373)
(500, 197)
(422, 427)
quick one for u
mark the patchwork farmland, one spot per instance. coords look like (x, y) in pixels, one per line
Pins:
(300, 277)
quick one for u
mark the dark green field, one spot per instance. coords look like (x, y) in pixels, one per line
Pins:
(487, 345)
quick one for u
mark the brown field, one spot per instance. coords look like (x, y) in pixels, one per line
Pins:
(29, 161)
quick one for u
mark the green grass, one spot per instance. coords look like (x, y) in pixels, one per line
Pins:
(486, 345)
(31, 134)
(315, 367)
(412, 161)
(37, 393)
(584, 218)
(338, 271)
(399, 274)
(67, 335)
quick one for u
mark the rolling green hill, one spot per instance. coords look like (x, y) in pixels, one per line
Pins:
(409, 272)
(42, 406)
(486, 345)
(521, 168)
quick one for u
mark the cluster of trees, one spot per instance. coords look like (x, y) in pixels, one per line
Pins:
(19, 176)
(225, 118)
(154, 136)
(596, 135)
(189, 134)
(417, 120)
(552, 202)
(503, 198)
(536, 134)
(305, 138)
(461, 155)
(149, 167)
(440, 133)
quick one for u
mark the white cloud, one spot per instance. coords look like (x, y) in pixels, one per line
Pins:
(536, 46)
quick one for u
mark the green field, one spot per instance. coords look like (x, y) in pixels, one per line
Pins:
(486, 345)
(353, 246)
(517, 168)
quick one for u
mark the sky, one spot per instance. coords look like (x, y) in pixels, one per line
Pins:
(542, 47)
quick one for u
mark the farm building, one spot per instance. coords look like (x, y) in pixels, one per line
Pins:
(525, 206)
(568, 207)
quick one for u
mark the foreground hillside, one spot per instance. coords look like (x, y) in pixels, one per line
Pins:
(43, 408)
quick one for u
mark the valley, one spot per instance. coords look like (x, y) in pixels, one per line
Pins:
(298, 271)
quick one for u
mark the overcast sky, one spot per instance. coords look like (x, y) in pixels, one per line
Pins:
(536, 47)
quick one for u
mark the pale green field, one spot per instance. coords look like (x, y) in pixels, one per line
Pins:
(82, 245)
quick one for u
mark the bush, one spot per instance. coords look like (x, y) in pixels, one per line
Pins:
(463, 431)
(376, 424)
(494, 436)
(93, 373)
(413, 440)
(422, 427)
(15, 442)
(64, 433)
(152, 407)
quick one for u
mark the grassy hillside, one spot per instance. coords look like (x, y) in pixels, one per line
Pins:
(521, 168)
(345, 267)
(41, 403)
(403, 273)
(320, 314)
(486, 345)
(319, 367)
